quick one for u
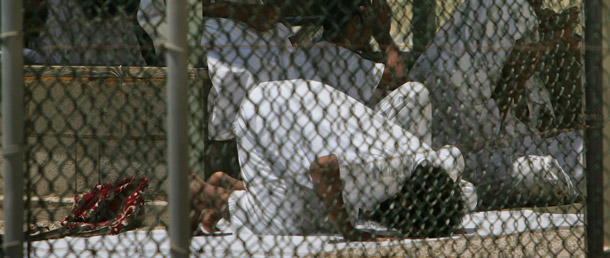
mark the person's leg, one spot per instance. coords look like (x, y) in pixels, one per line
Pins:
(207, 221)
(321, 119)
(208, 218)
(409, 106)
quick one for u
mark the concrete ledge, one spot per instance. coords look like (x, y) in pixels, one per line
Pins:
(86, 125)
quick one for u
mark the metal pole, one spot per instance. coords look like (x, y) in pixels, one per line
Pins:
(593, 131)
(177, 92)
(13, 139)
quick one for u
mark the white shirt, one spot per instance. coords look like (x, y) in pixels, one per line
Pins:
(283, 126)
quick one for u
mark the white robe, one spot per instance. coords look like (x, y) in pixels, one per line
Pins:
(460, 68)
(239, 57)
(283, 126)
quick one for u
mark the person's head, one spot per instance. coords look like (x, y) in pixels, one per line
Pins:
(428, 205)
(344, 21)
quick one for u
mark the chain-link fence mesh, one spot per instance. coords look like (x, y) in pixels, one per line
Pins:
(317, 128)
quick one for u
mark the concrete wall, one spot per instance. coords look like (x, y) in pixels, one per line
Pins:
(87, 125)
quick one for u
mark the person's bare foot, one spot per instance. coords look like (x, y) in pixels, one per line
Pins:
(208, 221)
(209, 203)
(221, 179)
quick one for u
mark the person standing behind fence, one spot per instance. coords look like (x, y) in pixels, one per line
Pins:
(255, 46)
(309, 151)
(94, 32)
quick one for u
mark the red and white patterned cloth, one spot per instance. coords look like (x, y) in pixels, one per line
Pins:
(113, 205)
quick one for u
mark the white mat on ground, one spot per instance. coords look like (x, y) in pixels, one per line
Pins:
(156, 243)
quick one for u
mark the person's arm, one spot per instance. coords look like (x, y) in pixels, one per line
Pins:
(327, 184)
(379, 24)
(394, 71)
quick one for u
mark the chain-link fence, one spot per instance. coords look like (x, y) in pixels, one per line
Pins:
(315, 128)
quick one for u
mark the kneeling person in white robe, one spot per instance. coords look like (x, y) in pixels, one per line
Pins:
(309, 152)
(511, 159)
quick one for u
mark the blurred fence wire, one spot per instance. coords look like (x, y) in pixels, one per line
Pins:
(303, 128)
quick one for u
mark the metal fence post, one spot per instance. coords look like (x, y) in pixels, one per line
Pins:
(12, 126)
(177, 92)
(593, 132)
